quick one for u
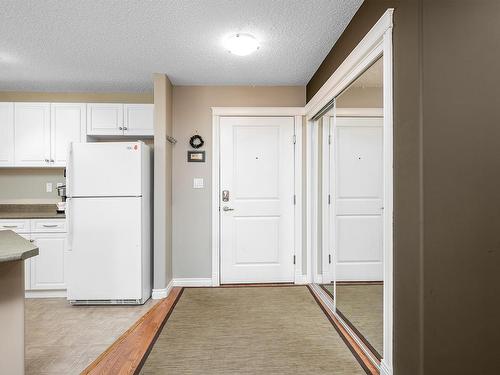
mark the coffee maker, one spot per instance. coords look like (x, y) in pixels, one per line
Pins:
(61, 191)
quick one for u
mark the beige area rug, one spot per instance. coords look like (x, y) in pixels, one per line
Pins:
(363, 306)
(65, 339)
(249, 330)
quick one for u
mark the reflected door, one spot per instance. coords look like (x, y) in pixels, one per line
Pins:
(256, 169)
(358, 198)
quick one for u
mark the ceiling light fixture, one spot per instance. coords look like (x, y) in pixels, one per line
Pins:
(241, 44)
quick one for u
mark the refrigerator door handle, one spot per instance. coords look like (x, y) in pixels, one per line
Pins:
(69, 171)
(69, 221)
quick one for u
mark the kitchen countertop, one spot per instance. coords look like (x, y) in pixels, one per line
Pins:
(30, 211)
(14, 247)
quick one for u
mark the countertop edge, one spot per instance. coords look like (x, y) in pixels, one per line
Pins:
(19, 256)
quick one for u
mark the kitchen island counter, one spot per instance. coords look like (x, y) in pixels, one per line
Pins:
(14, 249)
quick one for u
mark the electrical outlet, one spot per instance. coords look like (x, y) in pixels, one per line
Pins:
(48, 187)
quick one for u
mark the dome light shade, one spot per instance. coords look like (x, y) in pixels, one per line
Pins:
(241, 44)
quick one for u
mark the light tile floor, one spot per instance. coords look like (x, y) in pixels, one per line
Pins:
(65, 339)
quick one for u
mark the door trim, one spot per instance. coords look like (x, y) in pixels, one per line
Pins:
(296, 113)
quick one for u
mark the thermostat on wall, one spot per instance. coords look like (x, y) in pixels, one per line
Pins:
(196, 156)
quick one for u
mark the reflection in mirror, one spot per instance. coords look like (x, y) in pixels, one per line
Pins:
(356, 227)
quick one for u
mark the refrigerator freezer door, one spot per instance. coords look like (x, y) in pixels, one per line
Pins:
(104, 253)
(105, 169)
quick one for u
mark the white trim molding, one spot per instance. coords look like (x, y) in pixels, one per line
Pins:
(377, 43)
(385, 369)
(45, 294)
(192, 282)
(295, 112)
(359, 112)
(162, 293)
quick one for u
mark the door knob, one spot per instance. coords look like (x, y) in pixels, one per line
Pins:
(226, 208)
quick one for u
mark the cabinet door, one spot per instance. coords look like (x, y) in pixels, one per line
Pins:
(47, 269)
(6, 134)
(32, 134)
(138, 119)
(67, 124)
(104, 119)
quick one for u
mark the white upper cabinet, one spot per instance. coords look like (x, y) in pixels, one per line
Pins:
(38, 134)
(138, 119)
(6, 134)
(67, 124)
(32, 134)
(104, 119)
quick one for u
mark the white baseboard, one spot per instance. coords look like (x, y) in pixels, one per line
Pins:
(187, 282)
(301, 279)
(162, 293)
(385, 369)
(45, 294)
(318, 279)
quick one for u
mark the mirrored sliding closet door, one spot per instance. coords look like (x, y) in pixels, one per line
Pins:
(353, 178)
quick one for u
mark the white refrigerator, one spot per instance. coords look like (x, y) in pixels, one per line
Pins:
(108, 214)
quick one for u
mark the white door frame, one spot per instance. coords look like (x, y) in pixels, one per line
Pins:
(376, 43)
(295, 112)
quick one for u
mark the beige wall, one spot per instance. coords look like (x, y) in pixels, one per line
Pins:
(27, 185)
(162, 249)
(76, 97)
(361, 97)
(192, 207)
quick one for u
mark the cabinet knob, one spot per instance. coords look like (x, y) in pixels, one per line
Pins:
(51, 160)
(46, 160)
(125, 128)
(120, 128)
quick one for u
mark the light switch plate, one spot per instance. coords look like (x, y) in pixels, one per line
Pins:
(48, 187)
(198, 183)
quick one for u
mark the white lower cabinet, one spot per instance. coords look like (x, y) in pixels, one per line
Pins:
(44, 274)
(47, 269)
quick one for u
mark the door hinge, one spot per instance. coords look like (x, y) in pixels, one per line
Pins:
(294, 139)
(329, 259)
(294, 259)
(329, 199)
(329, 139)
(294, 199)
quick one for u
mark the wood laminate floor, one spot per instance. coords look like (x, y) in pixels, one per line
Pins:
(65, 339)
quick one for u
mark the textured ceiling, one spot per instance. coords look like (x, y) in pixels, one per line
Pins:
(116, 45)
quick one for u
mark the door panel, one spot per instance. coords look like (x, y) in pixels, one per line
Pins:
(105, 248)
(32, 134)
(138, 119)
(257, 169)
(104, 119)
(67, 125)
(7, 134)
(105, 169)
(358, 198)
(47, 269)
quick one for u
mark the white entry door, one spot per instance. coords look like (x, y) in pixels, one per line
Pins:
(358, 198)
(256, 199)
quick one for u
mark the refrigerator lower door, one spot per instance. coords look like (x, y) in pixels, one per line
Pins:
(104, 250)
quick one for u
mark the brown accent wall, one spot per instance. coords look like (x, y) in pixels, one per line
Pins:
(461, 179)
(446, 180)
